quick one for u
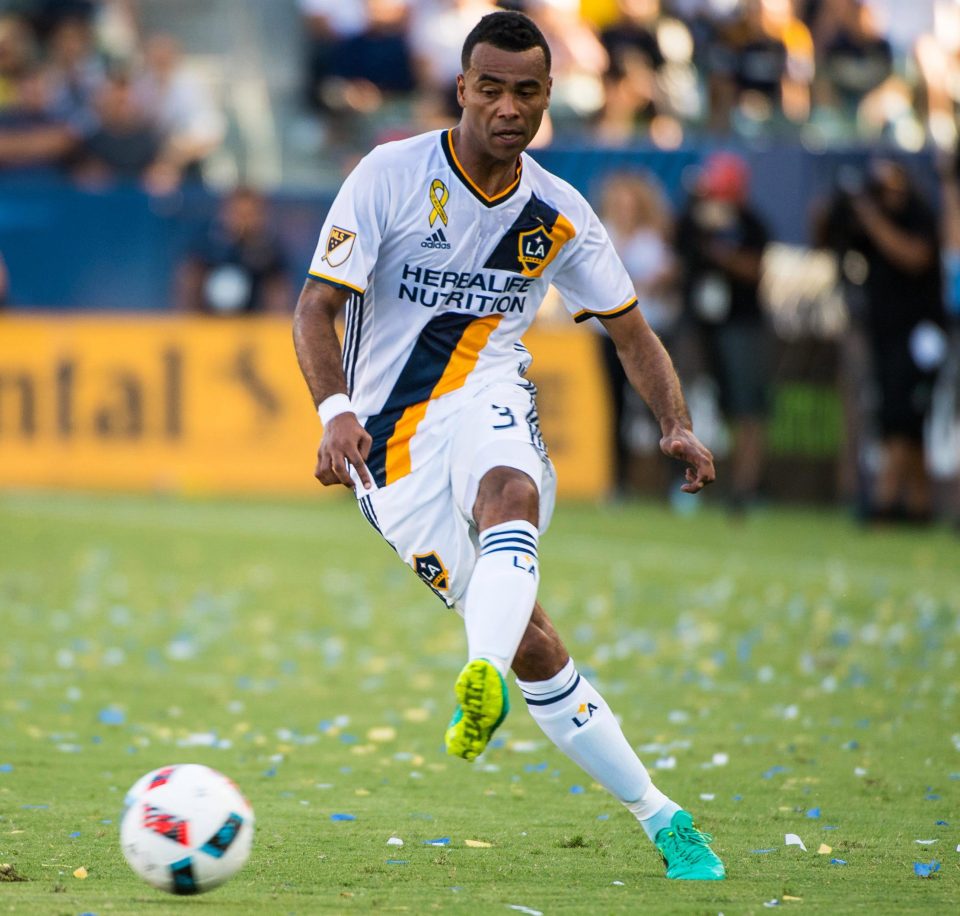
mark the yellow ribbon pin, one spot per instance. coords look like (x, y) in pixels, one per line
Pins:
(439, 195)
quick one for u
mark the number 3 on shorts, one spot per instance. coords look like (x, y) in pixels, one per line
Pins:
(507, 418)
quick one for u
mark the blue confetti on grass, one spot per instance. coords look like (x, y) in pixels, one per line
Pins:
(75, 834)
(343, 817)
(603, 817)
(6, 767)
(577, 790)
(440, 841)
(830, 827)
(348, 739)
(773, 771)
(943, 824)
(838, 861)
(762, 852)
(110, 715)
(34, 807)
(932, 796)
(535, 767)
(814, 813)
(398, 861)
(925, 869)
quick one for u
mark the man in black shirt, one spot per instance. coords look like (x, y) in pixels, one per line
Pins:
(238, 267)
(720, 243)
(887, 242)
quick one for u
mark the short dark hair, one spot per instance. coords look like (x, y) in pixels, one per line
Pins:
(508, 31)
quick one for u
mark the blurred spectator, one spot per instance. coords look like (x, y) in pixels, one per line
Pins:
(239, 266)
(637, 219)
(47, 15)
(181, 104)
(30, 135)
(437, 32)
(125, 146)
(853, 58)
(938, 60)
(357, 52)
(579, 59)
(950, 374)
(650, 81)
(720, 242)
(75, 72)
(886, 238)
(761, 67)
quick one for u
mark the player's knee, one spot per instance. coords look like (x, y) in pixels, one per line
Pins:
(506, 494)
(540, 655)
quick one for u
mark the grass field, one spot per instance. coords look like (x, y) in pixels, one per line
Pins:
(791, 674)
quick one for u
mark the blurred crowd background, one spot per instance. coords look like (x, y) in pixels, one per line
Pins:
(289, 91)
(779, 176)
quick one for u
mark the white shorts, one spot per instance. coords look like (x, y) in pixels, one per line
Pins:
(427, 516)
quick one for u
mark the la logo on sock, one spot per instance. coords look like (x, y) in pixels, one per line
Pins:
(586, 710)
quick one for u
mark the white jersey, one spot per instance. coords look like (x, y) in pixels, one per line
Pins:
(445, 281)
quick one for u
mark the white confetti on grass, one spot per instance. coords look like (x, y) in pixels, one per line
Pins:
(524, 909)
(394, 841)
(791, 839)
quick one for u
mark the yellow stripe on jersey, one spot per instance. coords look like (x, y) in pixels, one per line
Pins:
(584, 314)
(323, 278)
(462, 172)
(455, 375)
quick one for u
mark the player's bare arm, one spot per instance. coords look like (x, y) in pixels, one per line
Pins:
(650, 371)
(345, 442)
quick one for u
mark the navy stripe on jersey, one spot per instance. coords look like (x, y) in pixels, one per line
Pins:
(424, 367)
(446, 144)
(533, 701)
(535, 215)
(351, 339)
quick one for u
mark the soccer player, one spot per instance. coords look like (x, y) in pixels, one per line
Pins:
(441, 248)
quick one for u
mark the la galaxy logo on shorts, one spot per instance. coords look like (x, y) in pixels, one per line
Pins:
(430, 568)
(339, 246)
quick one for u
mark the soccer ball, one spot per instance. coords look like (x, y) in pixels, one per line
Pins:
(186, 828)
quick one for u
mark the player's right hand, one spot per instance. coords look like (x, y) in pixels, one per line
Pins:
(345, 444)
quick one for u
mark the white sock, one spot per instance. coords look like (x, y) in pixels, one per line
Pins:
(502, 590)
(578, 721)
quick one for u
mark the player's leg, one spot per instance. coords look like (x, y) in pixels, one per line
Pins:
(576, 718)
(504, 486)
(497, 604)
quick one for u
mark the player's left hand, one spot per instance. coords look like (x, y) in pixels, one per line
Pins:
(682, 444)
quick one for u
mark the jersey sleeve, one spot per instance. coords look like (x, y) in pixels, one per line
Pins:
(351, 234)
(593, 281)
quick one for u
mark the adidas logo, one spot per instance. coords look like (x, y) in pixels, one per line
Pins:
(437, 240)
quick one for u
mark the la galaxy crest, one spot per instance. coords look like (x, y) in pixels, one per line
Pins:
(535, 246)
(430, 568)
(339, 246)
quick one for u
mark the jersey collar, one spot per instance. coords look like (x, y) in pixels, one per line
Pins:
(446, 143)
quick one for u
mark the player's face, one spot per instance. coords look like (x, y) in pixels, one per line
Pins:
(503, 95)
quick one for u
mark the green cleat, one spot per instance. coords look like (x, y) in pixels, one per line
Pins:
(686, 853)
(483, 705)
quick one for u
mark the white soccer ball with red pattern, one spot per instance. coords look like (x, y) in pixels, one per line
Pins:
(186, 828)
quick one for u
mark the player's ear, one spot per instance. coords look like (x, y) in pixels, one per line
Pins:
(549, 87)
(461, 90)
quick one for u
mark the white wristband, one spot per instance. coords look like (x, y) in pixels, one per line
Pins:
(333, 406)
